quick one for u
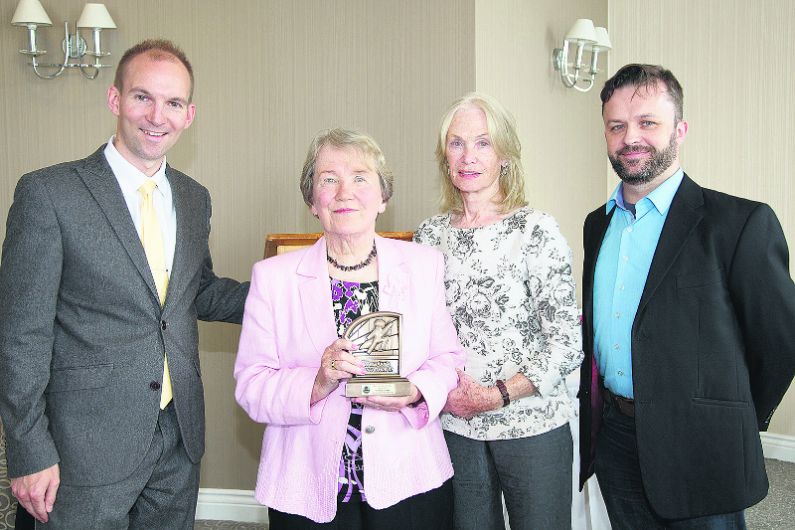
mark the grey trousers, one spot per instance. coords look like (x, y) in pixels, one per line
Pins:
(161, 493)
(534, 475)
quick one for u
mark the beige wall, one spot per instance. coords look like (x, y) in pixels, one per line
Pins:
(267, 80)
(730, 56)
(560, 128)
(391, 68)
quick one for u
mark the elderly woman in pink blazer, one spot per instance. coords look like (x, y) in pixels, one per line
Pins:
(329, 461)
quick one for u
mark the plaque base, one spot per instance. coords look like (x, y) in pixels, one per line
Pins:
(378, 386)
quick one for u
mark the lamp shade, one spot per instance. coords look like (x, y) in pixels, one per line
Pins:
(582, 31)
(603, 39)
(95, 16)
(30, 12)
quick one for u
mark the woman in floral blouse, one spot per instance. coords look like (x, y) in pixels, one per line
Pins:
(510, 292)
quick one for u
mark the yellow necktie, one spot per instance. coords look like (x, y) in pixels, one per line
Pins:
(152, 239)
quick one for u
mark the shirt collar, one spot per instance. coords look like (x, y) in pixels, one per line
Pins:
(130, 177)
(661, 197)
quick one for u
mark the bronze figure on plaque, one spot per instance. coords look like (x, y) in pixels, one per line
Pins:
(378, 336)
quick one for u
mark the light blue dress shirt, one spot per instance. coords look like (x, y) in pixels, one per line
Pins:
(621, 271)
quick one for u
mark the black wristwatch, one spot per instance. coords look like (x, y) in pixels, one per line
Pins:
(506, 397)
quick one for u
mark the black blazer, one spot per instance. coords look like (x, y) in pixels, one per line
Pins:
(713, 352)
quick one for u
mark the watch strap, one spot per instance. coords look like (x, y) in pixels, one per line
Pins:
(506, 398)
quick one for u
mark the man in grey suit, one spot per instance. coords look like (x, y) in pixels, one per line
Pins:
(101, 390)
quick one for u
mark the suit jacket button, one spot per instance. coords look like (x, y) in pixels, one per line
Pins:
(163, 325)
(369, 429)
(154, 385)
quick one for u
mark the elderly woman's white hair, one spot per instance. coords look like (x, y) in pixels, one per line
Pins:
(340, 139)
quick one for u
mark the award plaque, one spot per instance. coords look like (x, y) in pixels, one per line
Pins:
(378, 337)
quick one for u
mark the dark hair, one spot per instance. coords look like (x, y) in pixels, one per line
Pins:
(158, 50)
(645, 76)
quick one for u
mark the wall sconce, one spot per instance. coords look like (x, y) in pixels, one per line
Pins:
(31, 14)
(588, 39)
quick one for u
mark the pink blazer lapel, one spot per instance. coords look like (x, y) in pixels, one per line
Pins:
(314, 288)
(314, 292)
(393, 279)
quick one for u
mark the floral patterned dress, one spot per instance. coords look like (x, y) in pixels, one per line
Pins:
(351, 300)
(511, 294)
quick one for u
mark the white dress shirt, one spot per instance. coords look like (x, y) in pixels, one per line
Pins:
(130, 179)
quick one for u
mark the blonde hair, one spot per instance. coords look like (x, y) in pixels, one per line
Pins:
(341, 138)
(502, 132)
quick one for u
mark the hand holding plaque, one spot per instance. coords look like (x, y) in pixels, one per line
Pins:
(378, 336)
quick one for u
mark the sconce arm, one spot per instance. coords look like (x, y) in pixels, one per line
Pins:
(60, 67)
(74, 47)
(574, 80)
(561, 62)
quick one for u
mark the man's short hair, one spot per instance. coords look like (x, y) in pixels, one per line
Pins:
(645, 76)
(158, 50)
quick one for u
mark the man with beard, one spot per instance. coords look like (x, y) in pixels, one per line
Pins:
(688, 326)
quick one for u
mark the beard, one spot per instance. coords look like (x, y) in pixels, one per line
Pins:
(644, 172)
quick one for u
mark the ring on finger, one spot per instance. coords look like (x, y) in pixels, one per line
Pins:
(333, 364)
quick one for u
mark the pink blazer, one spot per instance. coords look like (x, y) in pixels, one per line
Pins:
(288, 322)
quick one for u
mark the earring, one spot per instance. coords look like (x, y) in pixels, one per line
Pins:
(504, 170)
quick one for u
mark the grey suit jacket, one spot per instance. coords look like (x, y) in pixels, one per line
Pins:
(82, 333)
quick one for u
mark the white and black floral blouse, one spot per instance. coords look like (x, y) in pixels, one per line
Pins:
(512, 298)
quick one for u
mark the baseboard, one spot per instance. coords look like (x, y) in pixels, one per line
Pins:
(240, 505)
(778, 446)
(230, 505)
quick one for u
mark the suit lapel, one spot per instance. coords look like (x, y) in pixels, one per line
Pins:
(596, 231)
(683, 217)
(185, 246)
(314, 292)
(103, 186)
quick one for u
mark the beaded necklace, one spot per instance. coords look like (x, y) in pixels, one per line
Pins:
(349, 268)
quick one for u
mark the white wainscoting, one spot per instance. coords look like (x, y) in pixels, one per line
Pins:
(230, 505)
(778, 446)
(239, 505)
